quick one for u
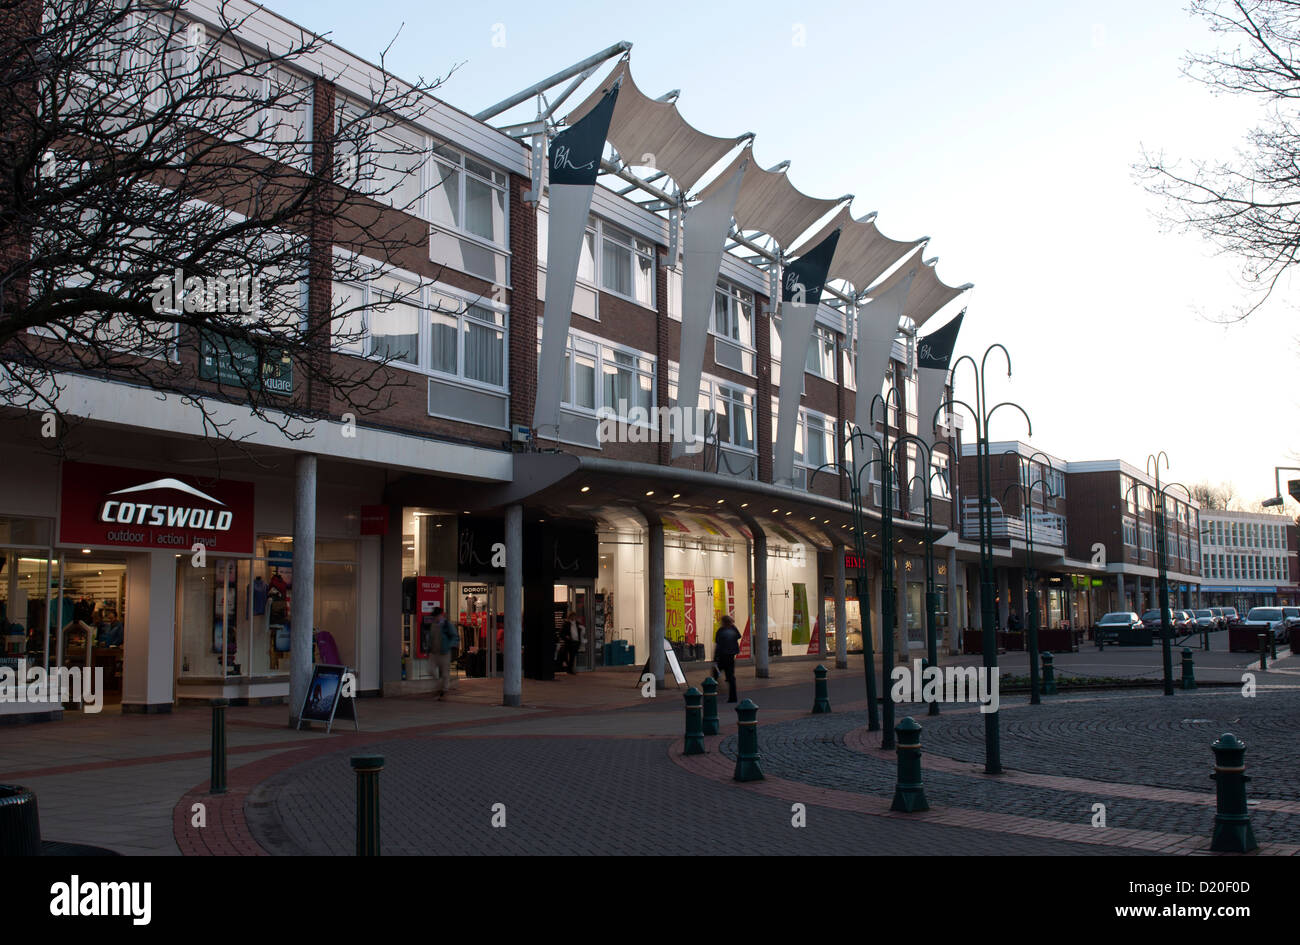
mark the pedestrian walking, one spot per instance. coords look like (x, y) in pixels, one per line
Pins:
(572, 637)
(726, 647)
(446, 638)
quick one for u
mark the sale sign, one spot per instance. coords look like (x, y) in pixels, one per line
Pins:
(139, 508)
(674, 610)
(688, 588)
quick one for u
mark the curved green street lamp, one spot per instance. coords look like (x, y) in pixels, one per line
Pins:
(982, 413)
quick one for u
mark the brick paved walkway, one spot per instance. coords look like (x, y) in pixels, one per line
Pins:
(590, 766)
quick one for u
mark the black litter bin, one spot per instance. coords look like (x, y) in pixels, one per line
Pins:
(20, 825)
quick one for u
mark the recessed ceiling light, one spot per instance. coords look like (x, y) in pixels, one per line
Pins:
(789, 513)
(650, 493)
(720, 501)
(85, 551)
(744, 505)
(812, 518)
(586, 489)
(774, 511)
(826, 521)
(677, 495)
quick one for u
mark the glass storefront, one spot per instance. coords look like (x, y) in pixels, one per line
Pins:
(235, 614)
(29, 592)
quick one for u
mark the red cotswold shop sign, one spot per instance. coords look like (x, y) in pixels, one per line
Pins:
(138, 508)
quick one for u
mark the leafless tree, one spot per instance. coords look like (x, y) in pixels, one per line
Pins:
(1250, 206)
(162, 186)
(1209, 496)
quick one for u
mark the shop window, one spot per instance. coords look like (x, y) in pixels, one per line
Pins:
(236, 615)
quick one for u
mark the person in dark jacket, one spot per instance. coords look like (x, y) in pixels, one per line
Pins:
(725, 650)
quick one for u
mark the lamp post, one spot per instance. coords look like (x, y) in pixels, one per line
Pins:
(1031, 573)
(888, 591)
(1293, 487)
(860, 548)
(1158, 498)
(931, 597)
(982, 413)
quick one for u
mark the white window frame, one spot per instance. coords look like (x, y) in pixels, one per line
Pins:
(599, 348)
(431, 296)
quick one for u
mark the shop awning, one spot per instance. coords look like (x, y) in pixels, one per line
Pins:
(863, 252)
(643, 126)
(927, 295)
(769, 203)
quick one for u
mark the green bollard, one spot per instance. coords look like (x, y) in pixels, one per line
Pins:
(1232, 831)
(710, 706)
(368, 768)
(694, 743)
(1263, 651)
(1272, 644)
(909, 793)
(217, 780)
(747, 768)
(1049, 675)
(821, 697)
(1189, 674)
(1205, 639)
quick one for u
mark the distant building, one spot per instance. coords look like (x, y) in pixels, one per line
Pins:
(1248, 559)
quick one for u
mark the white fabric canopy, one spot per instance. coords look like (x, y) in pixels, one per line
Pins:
(863, 252)
(642, 126)
(927, 294)
(768, 202)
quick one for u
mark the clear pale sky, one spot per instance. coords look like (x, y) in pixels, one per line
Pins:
(1007, 132)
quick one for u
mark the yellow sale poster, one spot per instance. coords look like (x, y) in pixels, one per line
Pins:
(719, 602)
(675, 610)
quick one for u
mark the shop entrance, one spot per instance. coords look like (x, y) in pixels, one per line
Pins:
(91, 626)
(576, 599)
(480, 615)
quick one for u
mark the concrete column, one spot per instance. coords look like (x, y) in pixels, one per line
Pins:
(512, 686)
(149, 633)
(841, 610)
(759, 634)
(1140, 600)
(304, 584)
(954, 608)
(390, 603)
(1119, 591)
(657, 630)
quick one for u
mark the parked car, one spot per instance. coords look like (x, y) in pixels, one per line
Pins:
(1108, 627)
(1184, 621)
(1205, 619)
(1220, 617)
(1230, 616)
(1267, 618)
(1151, 619)
(1292, 616)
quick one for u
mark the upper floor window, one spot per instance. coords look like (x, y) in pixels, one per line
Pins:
(627, 265)
(468, 195)
(733, 314)
(603, 377)
(394, 317)
(821, 353)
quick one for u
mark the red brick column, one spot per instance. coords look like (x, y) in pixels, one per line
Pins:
(320, 265)
(524, 306)
(662, 323)
(763, 396)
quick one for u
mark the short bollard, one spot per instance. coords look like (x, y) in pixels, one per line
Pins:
(909, 793)
(217, 780)
(1189, 671)
(1101, 641)
(1232, 831)
(710, 706)
(694, 743)
(368, 768)
(1272, 645)
(1205, 639)
(1049, 675)
(821, 697)
(747, 768)
(1263, 651)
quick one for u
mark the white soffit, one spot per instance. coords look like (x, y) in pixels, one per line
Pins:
(645, 131)
(863, 252)
(768, 202)
(927, 294)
